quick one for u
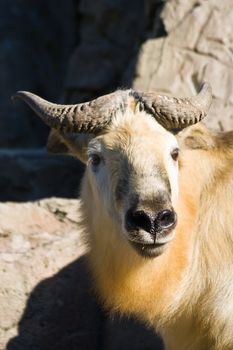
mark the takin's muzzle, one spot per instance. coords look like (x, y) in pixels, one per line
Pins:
(149, 226)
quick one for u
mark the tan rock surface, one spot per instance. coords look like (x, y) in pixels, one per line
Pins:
(198, 47)
(36, 241)
(46, 296)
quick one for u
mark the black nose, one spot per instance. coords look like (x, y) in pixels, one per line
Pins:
(165, 219)
(140, 219)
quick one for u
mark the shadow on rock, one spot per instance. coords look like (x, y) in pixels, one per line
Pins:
(62, 313)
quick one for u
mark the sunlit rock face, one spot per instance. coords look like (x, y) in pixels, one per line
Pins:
(197, 47)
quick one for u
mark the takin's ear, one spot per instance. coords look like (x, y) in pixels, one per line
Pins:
(196, 137)
(72, 144)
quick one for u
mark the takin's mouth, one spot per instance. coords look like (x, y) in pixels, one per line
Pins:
(150, 246)
(151, 250)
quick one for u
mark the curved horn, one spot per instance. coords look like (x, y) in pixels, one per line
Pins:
(173, 112)
(89, 117)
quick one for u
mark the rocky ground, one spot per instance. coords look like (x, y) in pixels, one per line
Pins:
(46, 296)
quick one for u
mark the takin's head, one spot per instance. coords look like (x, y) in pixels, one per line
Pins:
(125, 139)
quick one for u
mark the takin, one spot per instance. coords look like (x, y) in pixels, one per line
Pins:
(157, 209)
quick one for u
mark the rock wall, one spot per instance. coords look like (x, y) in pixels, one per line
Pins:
(198, 47)
(81, 49)
(110, 33)
(95, 47)
(30, 174)
(35, 41)
(170, 46)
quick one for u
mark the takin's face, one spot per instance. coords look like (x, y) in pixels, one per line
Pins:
(132, 164)
(132, 170)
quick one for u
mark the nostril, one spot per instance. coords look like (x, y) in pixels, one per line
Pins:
(138, 220)
(166, 219)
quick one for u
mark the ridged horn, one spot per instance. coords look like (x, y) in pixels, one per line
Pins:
(90, 117)
(172, 112)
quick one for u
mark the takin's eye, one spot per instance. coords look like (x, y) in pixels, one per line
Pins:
(175, 154)
(95, 160)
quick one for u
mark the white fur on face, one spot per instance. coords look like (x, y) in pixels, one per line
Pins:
(143, 144)
(99, 175)
(172, 171)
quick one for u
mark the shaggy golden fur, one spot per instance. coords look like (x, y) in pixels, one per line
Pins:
(185, 293)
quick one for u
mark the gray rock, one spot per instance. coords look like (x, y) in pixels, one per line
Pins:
(33, 174)
(32, 57)
(110, 33)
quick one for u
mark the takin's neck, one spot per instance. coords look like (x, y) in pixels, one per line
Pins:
(127, 282)
(202, 309)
